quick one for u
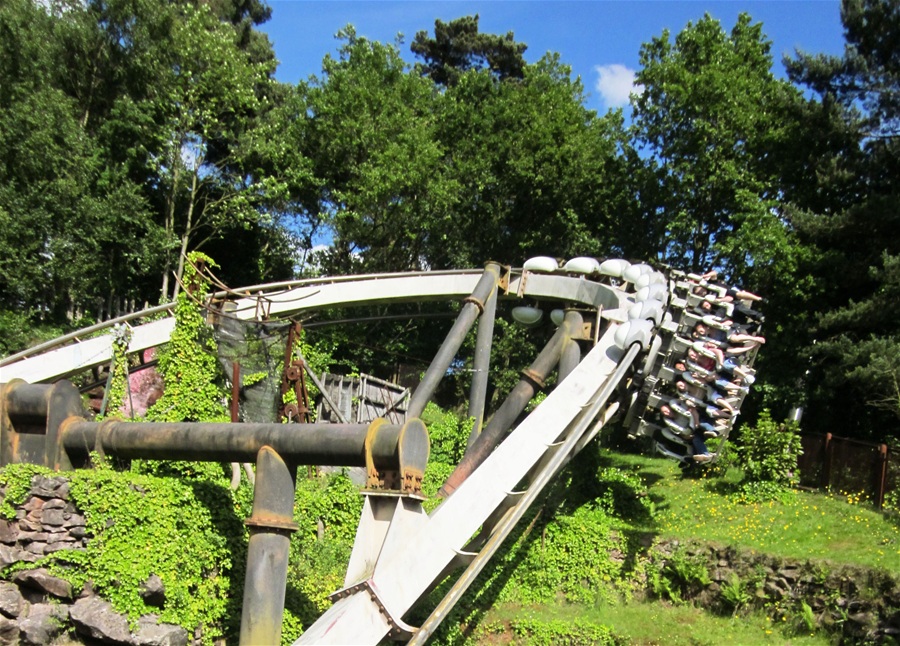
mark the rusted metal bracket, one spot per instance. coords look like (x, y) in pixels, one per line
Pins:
(30, 421)
(294, 379)
(412, 453)
(503, 278)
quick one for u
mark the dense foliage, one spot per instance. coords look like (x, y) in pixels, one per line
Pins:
(186, 531)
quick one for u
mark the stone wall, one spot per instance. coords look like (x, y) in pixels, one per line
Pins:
(37, 608)
(859, 605)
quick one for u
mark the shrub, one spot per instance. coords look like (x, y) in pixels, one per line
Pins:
(623, 495)
(556, 632)
(768, 453)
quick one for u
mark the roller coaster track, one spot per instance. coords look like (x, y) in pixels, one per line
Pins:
(617, 337)
(92, 346)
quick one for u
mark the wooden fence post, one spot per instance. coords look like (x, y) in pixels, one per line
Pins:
(881, 475)
(826, 461)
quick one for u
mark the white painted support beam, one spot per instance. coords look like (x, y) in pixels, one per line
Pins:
(399, 581)
(285, 302)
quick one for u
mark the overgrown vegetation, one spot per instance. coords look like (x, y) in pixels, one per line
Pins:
(187, 532)
(767, 453)
(785, 186)
(194, 388)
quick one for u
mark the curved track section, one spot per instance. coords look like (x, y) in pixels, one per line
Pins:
(93, 346)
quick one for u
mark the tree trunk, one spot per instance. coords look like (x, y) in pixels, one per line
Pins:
(170, 228)
(185, 237)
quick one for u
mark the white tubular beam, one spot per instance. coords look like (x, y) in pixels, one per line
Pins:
(418, 287)
(401, 579)
(83, 355)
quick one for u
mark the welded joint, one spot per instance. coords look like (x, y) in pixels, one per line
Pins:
(523, 282)
(399, 630)
(375, 479)
(475, 301)
(536, 378)
(503, 278)
(273, 522)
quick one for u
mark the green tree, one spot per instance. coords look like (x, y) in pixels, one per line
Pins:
(537, 172)
(375, 154)
(853, 229)
(706, 120)
(457, 47)
(70, 223)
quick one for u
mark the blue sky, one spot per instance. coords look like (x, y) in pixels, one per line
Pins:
(598, 40)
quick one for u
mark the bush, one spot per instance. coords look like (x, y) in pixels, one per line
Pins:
(556, 632)
(768, 452)
(623, 495)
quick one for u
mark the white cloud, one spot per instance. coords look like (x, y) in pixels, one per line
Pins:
(615, 84)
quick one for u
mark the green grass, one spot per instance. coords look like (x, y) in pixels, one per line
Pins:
(658, 624)
(842, 529)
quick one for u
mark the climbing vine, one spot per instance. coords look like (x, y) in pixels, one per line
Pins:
(118, 385)
(194, 389)
(140, 525)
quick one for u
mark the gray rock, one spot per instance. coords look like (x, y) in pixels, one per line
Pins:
(9, 531)
(10, 555)
(862, 618)
(36, 548)
(773, 590)
(75, 520)
(26, 525)
(9, 631)
(57, 487)
(53, 517)
(41, 579)
(790, 574)
(43, 623)
(153, 592)
(150, 633)
(31, 537)
(95, 618)
(54, 503)
(77, 532)
(11, 600)
(33, 504)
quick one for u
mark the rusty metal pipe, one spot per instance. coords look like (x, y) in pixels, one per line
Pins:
(320, 444)
(26, 401)
(506, 415)
(271, 525)
(471, 308)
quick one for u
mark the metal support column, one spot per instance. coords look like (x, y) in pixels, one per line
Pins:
(532, 379)
(481, 365)
(472, 307)
(271, 526)
(571, 351)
